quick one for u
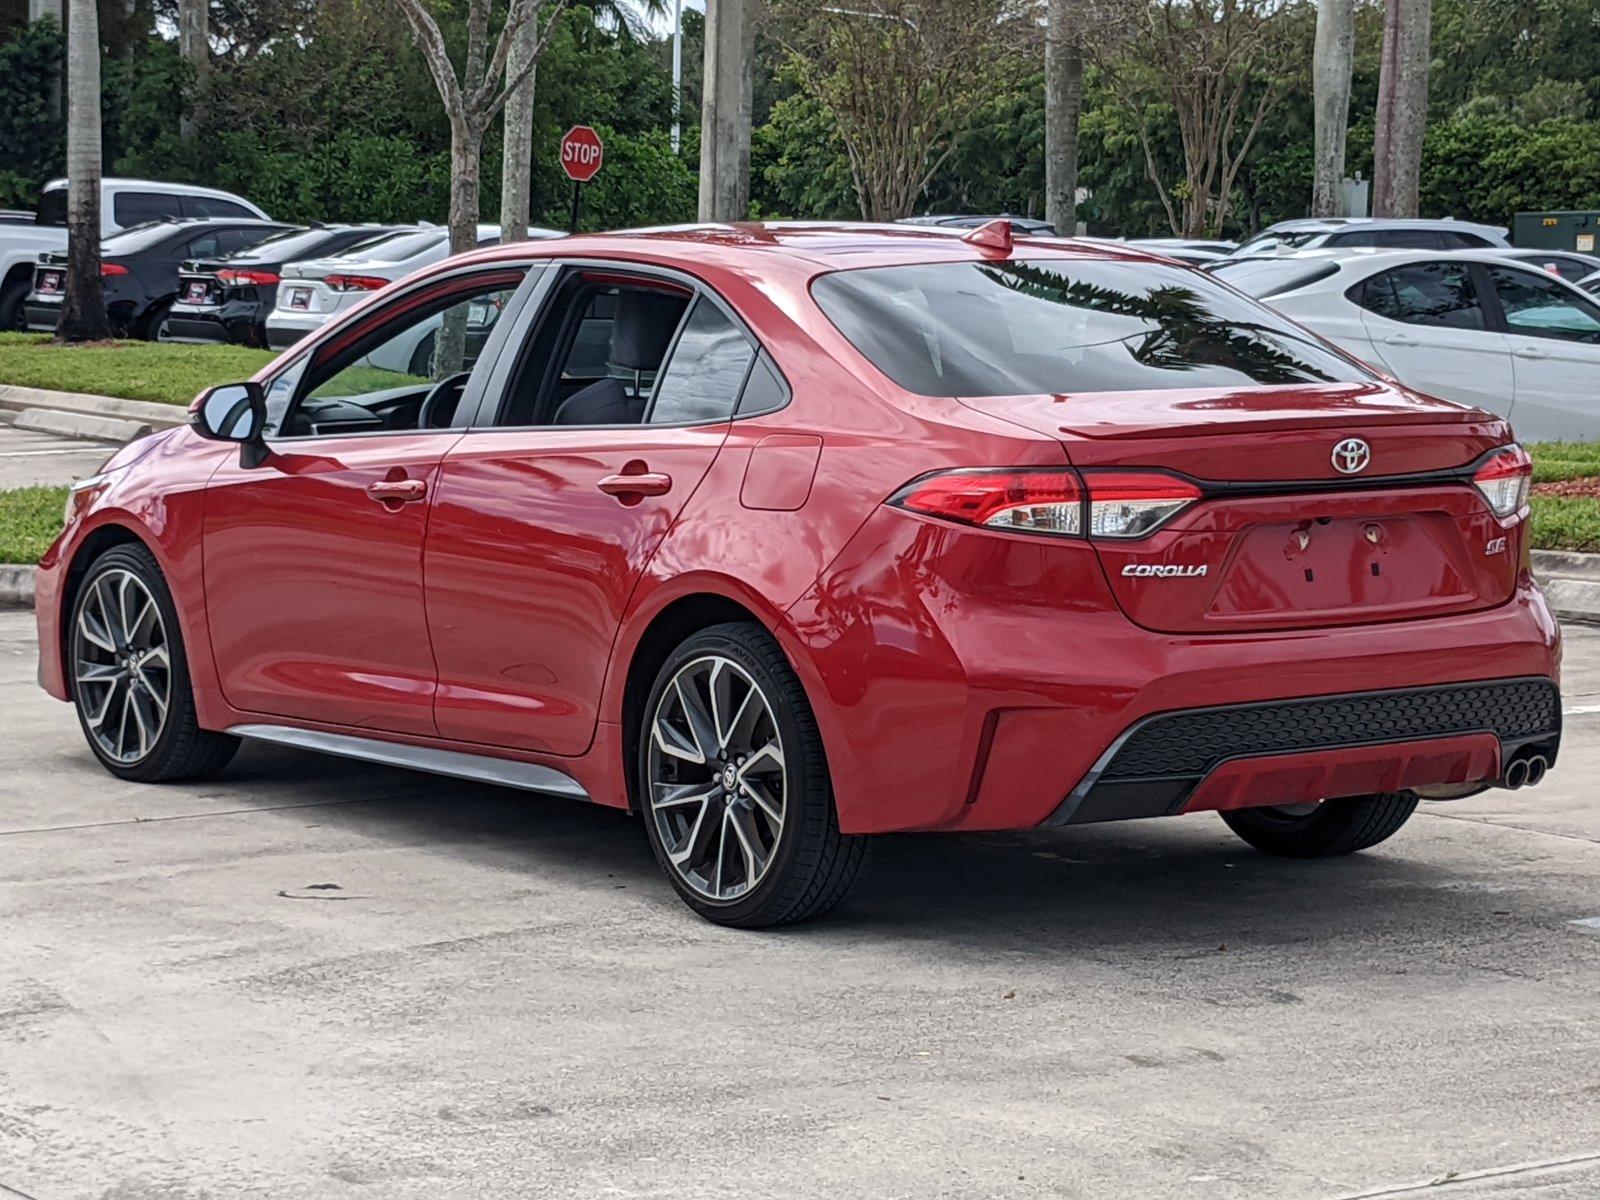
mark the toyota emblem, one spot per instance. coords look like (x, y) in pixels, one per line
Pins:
(1351, 455)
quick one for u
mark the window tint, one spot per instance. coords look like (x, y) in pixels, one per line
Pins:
(207, 245)
(141, 237)
(1538, 306)
(1388, 239)
(1454, 239)
(1436, 293)
(212, 206)
(702, 379)
(135, 208)
(765, 390)
(52, 207)
(1570, 269)
(289, 246)
(1061, 326)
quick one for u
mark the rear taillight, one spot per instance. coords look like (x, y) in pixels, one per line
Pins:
(1047, 501)
(236, 276)
(1130, 504)
(356, 283)
(108, 269)
(1058, 501)
(1504, 479)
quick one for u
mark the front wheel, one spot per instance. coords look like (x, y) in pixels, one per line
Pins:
(734, 785)
(1323, 830)
(130, 677)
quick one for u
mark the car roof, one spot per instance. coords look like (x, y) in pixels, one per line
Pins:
(172, 189)
(796, 248)
(1331, 224)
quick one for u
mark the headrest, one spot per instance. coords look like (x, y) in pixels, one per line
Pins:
(644, 324)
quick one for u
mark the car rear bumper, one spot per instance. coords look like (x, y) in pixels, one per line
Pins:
(284, 331)
(235, 322)
(967, 680)
(41, 315)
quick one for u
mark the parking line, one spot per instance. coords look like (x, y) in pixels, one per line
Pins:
(1449, 1183)
(1580, 710)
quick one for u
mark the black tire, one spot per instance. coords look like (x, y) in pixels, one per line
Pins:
(181, 749)
(154, 322)
(421, 363)
(812, 864)
(1333, 827)
(12, 318)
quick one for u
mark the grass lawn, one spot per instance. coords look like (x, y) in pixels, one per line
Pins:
(30, 518)
(168, 372)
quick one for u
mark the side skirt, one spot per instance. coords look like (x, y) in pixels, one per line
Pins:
(482, 768)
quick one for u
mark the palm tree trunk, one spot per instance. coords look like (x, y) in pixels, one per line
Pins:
(194, 44)
(83, 309)
(516, 172)
(1402, 108)
(1063, 103)
(1330, 82)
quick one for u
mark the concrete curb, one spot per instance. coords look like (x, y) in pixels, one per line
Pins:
(16, 587)
(143, 412)
(1571, 583)
(80, 425)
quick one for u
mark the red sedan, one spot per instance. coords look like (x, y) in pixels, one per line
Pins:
(786, 535)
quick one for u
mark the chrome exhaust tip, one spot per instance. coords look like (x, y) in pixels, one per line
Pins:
(1537, 766)
(1516, 774)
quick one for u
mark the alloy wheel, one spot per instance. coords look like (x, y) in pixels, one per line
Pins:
(716, 785)
(122, 667)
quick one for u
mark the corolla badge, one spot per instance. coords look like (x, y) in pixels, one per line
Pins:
(1164, 570)
(1351, 455)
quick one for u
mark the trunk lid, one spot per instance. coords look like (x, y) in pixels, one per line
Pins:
(1282, 538)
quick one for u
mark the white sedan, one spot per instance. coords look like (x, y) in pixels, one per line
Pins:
(1472, 326)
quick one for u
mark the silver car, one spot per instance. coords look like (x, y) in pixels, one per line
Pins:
(314, 290)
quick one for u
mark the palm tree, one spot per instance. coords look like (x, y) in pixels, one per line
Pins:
(83, 310)
(1402, 108)
(1063, 102)
(1330, 84)
(516, 171)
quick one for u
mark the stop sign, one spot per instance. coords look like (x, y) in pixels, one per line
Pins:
(581, 153)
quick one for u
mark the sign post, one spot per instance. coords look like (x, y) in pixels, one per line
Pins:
(582, 153)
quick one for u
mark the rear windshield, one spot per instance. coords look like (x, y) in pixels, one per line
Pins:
(397, 247)
(1059, 326)
(140, 237)
(52, 207)
(287, 247)
(1271, 276)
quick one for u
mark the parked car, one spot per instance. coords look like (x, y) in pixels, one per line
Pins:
(228, 298)
(140, 269)
(1591, 283)
(1474, 327)
(1382, 233)
(1196, 253)
(1567, 264)
(1026, 225)
(774, 539)
(123, 204)
(313, 291)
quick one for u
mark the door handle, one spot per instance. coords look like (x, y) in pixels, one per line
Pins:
(397, 491)
(1530, 352)
(646, 483)
(1400, 339)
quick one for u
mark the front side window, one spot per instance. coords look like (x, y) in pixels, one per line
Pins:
(703, 378)
(1435, 293)
(1064, 326)
(1538, 306)
(213, 206)
(407, 373)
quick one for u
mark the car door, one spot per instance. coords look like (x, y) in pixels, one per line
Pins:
(1430, 327)
(548, 512)
(313, 558)
(1554, 334)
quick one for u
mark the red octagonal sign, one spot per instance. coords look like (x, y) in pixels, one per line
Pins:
(581, 153)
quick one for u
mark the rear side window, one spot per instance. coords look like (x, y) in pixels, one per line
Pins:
(398, 247)
(1437, 293)
(1537, 306)
(703, 378)
(1454, 239)
(135, 208)
(1389, 239)
(1062, 326)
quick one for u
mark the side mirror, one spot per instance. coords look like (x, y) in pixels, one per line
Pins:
(233, 412)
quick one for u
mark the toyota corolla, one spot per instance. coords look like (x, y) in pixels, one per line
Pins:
(783, 536)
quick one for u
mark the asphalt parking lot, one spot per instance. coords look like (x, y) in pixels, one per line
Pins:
(317, 979)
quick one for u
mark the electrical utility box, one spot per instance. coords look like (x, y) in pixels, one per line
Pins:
(1578, 231)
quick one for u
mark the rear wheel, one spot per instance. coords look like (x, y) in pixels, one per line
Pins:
(734, 785)
(12, 318)
(1323, 830)
(130, 677)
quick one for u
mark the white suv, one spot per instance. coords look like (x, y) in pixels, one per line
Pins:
(123, 203)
